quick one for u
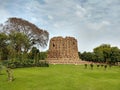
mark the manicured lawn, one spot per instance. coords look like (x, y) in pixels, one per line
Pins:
(63, 77)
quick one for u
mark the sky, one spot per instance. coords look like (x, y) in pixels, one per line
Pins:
(91, 22)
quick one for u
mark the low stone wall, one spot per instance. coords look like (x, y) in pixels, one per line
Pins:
(66, 61)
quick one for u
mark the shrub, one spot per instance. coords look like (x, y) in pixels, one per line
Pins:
(85, 66)
(26, 63)
(98, 65)
(42, 63)
(91, 65)
(105, 66)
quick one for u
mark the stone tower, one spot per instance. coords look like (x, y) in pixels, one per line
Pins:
(63, 50)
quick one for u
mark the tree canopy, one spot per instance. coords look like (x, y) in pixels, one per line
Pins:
(35, 34)
(103, 53)
(18, 39)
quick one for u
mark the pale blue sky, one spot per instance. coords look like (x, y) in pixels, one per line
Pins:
(91, 22)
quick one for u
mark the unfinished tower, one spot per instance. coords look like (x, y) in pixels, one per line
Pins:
(63, 51)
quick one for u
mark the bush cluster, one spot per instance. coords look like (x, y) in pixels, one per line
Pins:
(28, 63)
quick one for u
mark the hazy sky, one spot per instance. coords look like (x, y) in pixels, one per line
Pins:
(91, 22)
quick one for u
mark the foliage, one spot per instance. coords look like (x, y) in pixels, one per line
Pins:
(42, 63)
(17, 38)
(0, 68)
(3, 46)
(33, 53)
(103, 53)
(88, 56)
(19, 41)
(35, 34)
(16, 63)
(43, 55)
(9, 74)
(115, 54)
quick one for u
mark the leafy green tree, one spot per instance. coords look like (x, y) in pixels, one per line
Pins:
(102, 52)
(88, 56)
(79, 53)
(3, 46)
(9, 74)
(35, 34)
(18, 45)
(19, 42)
(0, 67)
(43, 55)
(34, 54)
(115, 54)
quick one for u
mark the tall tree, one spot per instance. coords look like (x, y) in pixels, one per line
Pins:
(35, 34)
(19, 42)
(34, 54)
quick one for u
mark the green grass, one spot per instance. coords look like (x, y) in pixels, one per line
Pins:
(62, 77)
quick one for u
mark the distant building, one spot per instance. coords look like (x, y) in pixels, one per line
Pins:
(63, 51)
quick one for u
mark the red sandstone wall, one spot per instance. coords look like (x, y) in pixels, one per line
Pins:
(63, 49)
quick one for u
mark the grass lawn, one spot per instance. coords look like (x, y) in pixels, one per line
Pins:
(62, 77)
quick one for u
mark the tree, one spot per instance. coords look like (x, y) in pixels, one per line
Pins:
(0, 67)
(23, 35)
(9, 74)
(3, 46)
(105, 66)
(102, 52)
(79, 53)
(91, 65)
(35, 34)
(88, 56)
(19, 42)
(43, 55)
(85, 66)
(115, 54)
(34, 54)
